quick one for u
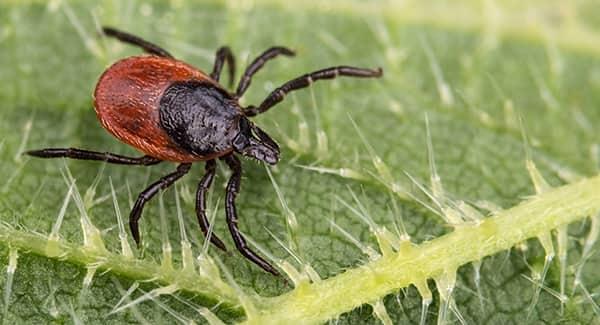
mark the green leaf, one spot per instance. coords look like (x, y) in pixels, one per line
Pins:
(479, 145)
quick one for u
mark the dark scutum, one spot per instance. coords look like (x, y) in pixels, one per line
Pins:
(199, 117)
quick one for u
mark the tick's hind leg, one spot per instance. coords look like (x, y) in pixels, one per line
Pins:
(233, 187)
(279, 93)
(203, 186)
(137, 41)
(223, 55)
(92, 155)
(257, 64)
(148, 193)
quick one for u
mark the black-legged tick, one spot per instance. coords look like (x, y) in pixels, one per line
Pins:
(171, 111)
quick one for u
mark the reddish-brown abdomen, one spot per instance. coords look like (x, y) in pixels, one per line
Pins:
(127, 103)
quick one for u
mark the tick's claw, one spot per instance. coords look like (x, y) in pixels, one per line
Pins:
(217, 242)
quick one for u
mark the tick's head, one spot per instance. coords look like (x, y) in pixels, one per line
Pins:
(253, 142)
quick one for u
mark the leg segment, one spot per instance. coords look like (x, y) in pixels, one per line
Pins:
(92, 155)
(257, 64)
(233, 187)
(223, 55)
(304, 81)
(134, 40)
(203, 186)
(148, 193)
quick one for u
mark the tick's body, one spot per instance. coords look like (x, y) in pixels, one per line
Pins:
(143, 102)
(174, 112)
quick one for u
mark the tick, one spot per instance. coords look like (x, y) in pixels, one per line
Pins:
(173, 112)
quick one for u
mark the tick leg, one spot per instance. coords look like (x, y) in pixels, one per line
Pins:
(74, 153)
(137, 41)
(148, 193)
(203, 186)
(257, 64)
(223, 55)
(278, 94)
(233, 187)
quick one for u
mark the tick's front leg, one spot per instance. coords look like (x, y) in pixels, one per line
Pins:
(233, 188)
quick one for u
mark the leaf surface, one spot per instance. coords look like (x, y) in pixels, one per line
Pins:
(470, 93)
